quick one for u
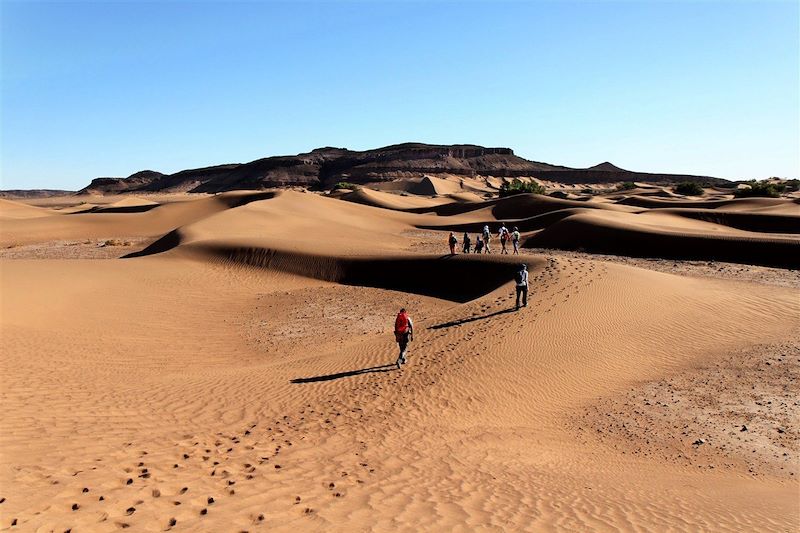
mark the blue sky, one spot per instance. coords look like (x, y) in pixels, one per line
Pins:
(109, 88)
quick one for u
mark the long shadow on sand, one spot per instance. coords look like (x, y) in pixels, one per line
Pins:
(382, 368)
(471, 319)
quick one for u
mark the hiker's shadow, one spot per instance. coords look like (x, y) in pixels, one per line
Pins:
(471, 319)
(339, 375)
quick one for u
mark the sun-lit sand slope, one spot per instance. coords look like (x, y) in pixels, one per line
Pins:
(236, 375)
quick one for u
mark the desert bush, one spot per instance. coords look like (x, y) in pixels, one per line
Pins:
(689, 188)
(792, 185)
(115, 242)
(761, 189)
(346, 185)
(517, 186)
(626, 186)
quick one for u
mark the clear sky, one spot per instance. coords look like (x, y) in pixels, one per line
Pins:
(109, 88)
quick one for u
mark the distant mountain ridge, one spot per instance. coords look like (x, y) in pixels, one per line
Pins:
(324, 167)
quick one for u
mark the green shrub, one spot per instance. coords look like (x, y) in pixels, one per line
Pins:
(516, 186)
(760, 188)
(626, 186)
(689, 188)
(346, 185)
(792, 185)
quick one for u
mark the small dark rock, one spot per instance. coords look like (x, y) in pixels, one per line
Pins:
(75, 506)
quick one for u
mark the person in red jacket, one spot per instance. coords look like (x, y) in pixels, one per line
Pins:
(403, 333)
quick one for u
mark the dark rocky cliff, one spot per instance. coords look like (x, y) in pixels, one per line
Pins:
(324, 167)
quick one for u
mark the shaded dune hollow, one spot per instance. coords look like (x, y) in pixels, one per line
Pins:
(455, 278)
(591, 234)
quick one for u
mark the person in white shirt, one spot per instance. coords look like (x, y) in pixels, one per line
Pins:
(487, 235)
(503, 234)
(515, 240)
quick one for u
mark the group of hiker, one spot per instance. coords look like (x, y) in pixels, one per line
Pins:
(404, 327)
(483, 241)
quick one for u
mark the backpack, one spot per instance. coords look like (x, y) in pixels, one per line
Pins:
(518, 277)
(401, 323)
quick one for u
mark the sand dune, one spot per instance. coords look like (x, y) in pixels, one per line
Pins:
(396, 202)
(150, 223)
(733, 204)
(237, 373)
(10, 209)
(668, 236)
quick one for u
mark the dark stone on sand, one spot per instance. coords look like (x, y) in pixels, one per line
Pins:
(130, 510)
(75, 506)
(203, 512)
(210, 500)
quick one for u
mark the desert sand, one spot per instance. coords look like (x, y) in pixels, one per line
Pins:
(225, 363)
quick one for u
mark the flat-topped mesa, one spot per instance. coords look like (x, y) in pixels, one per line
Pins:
(456, 151)
(322, 168)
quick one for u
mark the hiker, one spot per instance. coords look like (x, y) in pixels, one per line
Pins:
(521, 279)
(452, 241)
(466, 242)
(403, 333)
(478, 244)
(503, 234)
(515, 240)
(486, 236)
